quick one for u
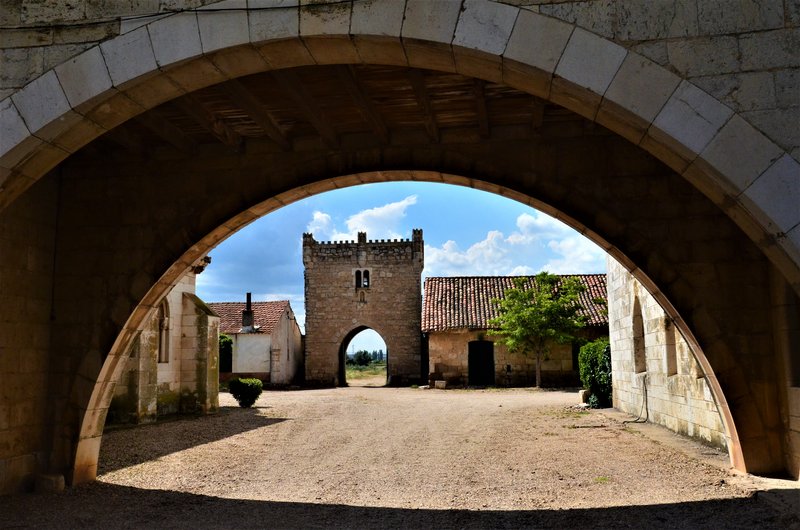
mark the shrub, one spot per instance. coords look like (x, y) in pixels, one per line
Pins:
(594, 361)
(246, 391)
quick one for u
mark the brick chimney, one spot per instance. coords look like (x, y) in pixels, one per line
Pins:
(247, 316)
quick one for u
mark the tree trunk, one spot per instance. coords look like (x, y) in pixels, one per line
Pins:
(538, 369)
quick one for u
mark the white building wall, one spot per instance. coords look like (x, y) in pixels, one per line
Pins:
(251, 353)
(670, 389)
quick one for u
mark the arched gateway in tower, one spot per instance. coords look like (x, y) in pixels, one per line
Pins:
(354, 285)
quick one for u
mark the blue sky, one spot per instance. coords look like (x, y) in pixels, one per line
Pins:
(467, 233)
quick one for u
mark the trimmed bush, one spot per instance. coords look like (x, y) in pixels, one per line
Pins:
(246, 391)
(594, 361)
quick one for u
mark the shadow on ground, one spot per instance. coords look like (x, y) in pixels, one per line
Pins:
(182, 433)
(102, 505)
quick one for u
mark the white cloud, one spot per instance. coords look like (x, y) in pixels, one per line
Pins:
(382, 222)
(539, 243)
(321, 225)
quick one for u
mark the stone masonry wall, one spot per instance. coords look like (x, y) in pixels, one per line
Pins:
(668, 387)
(448, 358)
(336, 309)
(27, 235)
(743, 52)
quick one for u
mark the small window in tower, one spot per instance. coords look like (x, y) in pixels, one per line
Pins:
(358, 279)
(366, 279)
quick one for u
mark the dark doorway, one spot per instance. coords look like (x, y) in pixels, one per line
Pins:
(481, 363)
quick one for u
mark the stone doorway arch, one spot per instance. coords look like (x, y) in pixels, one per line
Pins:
(343, 353)
(726, 169)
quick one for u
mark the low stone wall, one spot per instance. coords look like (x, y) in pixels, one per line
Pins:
(655, 374)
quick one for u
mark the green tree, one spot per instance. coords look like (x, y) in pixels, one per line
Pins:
(537, 312)
(362, 358)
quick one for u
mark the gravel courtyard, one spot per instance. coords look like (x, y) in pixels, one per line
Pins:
(365, 457)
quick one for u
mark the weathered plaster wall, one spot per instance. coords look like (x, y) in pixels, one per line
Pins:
(251, 353)
(286, 351)
(448, 359)
(669, 388)
(336, 308)
(27, 236)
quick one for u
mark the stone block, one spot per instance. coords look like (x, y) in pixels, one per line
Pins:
(734, 16)
(175, 38)
(223, 29)
(477, 64)
(636, 95)
(286, 53)
(41, 159)
(280, 21)
(590, 61)
(49, 483)
(84, 78)
(431, 21)
(776, 192)
(787, 82)
(740, 153)
(195, 75)
(239, 61)
(780, 125)
(599, 16)
(770, 49)
(129, 56)
(13, 131)
(440, 384)
(114, 111)
(485, 26)
(688, 122)
(647, 20)
(380, 50)
(704, 55)
(537, 41)
(377, 17)
(332, 50)
(154, 91)
(324, 18)
(20, 65)
(430, 55)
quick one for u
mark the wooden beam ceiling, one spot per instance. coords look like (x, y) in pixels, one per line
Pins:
(417, 80)
(195, 109)
(300, 96)
(241, 96)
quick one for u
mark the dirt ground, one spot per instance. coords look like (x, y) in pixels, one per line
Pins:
(368, 457)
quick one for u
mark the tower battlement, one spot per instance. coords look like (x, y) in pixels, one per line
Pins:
(364, 250)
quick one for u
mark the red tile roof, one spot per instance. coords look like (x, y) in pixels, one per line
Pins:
(466, 302)
(265, 314)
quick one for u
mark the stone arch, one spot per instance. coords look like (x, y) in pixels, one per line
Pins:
(714, 149)
(92, 425)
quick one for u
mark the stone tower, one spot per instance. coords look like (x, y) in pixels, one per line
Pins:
(355, 285)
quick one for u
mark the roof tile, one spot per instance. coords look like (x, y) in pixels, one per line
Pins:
(465, 302)
(265, 315)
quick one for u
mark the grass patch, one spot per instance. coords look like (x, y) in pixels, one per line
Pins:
(602, 479)
(363, 372)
